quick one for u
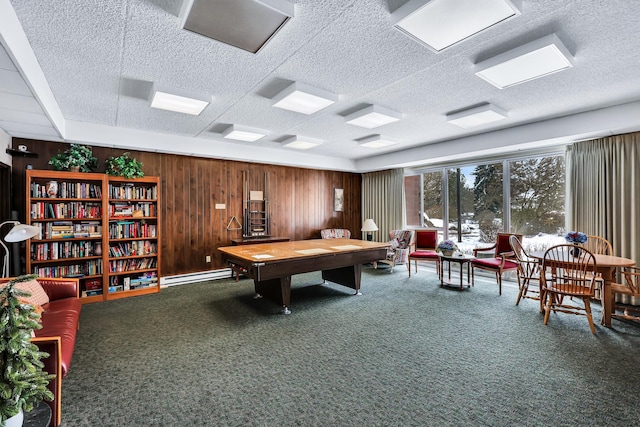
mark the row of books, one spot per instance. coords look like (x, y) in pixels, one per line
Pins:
(132, 191)
(132, 264)
(140, 247)
(71, 190)
(46, 210)
(131, 229)
(63, 250)
(87, 268)
(125, 283)
(147, 209)
(68, 229)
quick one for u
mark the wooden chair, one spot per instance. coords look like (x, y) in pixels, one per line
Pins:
(630, 286)
(503, 258)
(400, 246)
(335, 233)
(569, 276)
(529, 285)
(425, 250)
(598, 245)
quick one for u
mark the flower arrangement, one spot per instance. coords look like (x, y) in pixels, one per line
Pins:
(447, 246)
(575, 237)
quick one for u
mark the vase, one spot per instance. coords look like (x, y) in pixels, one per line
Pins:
(98, 250)
(74, 168)
(575, 252)
(52, 188)
(447, 253)
(15, 421)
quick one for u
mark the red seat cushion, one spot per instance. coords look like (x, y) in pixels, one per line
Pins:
(60, 318)
(424, 254)
(494, 263)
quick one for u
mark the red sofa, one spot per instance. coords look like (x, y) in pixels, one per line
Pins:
(60, 322)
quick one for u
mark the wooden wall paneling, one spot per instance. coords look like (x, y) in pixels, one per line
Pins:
(301, 200)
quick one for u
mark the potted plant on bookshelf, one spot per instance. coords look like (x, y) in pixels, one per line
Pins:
(24, 380)
(77, 158)
(125, 166)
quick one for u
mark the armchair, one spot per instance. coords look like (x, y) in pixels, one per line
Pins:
(400, 246)
(425, 249)
(503, 258)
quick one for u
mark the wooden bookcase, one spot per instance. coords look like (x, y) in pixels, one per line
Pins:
(76, 213)
(134, 236)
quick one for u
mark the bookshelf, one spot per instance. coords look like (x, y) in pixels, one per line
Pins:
(101, 229)
(133, 256)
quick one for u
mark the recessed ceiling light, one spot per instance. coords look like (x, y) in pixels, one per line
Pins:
(530, 61)
(372, 116)
(376, 141)
(178, 100)
(303, 98)
(477, 116)
(301, 142)
(443, 23)
(242, 133)
(245, 24)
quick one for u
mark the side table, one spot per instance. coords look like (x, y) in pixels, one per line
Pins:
(40, 416)
(460, 260)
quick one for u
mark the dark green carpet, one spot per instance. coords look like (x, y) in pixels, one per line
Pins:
(406, 353)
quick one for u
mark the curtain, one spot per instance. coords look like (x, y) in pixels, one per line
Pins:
(603, 191)
(383, 201)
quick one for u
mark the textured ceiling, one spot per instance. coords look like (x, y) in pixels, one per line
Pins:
(99, 59)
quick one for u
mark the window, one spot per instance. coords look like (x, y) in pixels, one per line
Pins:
(537, 201)
(518, 195)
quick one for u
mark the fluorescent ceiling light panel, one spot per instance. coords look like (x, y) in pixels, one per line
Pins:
(376, 141)
(303, 98)
(245, 24)
(301, 142)
(440, 24)
(530, 61)
(372, 116)
(178, 101)
(241, 133)
(477, 116)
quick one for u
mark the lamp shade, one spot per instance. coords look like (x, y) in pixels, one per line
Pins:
(21, 232)
(369, 225)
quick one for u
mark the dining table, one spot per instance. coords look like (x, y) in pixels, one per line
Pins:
(606, 265)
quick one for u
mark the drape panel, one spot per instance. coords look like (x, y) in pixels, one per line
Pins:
(383, 201)
(603, 191)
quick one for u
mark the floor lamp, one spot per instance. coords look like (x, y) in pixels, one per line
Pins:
(19, 233)
(369, 227)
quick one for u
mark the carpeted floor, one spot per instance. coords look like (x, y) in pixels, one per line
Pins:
(406, 353)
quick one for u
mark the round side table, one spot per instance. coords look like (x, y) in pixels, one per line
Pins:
(40, 416)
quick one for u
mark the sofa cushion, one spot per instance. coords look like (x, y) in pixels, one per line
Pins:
(38, 295)
(61, 322)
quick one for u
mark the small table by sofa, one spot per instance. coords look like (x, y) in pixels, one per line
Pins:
(40, 416)
(461, 260)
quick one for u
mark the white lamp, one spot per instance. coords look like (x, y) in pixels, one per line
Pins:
(18, 233)
(369, 227)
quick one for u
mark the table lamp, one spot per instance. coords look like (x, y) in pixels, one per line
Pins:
(18, 233)
(369, 227)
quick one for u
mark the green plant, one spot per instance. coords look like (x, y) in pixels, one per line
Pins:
(125, 166)
(24, 380)
(77, 155)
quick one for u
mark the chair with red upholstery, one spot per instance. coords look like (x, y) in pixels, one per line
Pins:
(503, 258)
(426, 242)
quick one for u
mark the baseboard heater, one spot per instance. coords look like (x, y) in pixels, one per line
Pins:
(182, 279)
